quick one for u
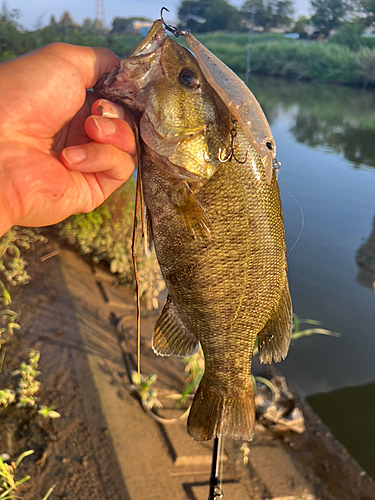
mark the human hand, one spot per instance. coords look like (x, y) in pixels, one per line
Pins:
(57, 155)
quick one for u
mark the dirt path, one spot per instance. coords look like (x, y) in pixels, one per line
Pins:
(104, 445)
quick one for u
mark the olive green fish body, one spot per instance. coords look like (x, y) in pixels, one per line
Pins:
(217, 227)
(223, 290)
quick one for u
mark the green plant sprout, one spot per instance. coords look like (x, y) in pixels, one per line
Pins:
(12, 264)
(8, 320)
(195, 370)
(7, 397)
(27, 387)
(8, 483)
(142, 385)
(48, 412)
(5, 297)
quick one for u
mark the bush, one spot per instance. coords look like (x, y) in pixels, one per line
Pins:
(106, 235)
(349, 34)
(366, 65)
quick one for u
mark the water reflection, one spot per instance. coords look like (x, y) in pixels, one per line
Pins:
(365, 259)
(340, 119)
(326, 141)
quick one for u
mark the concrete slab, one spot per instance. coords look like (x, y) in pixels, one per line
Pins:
(158, 461)
(270, 460)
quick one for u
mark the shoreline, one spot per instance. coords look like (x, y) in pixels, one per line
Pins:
(66, 315)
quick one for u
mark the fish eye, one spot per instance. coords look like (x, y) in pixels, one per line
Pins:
(189, 79)
(269, 145)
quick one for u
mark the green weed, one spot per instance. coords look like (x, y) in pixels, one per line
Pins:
(195, 370)
(106, 235)
(142, 385)
(27, 387)
(8, 482)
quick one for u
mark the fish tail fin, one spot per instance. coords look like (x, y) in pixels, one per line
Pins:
(213, 414)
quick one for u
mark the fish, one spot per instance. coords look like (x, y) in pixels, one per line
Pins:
(216, 224)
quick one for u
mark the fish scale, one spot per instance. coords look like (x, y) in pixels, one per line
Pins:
(217, 227)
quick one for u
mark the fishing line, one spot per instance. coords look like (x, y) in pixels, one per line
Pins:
(138, 200)
(221, 458)
(299, 206)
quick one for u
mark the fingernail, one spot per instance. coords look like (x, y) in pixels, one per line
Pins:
(75, 154)
(110, 110)
(105, 127)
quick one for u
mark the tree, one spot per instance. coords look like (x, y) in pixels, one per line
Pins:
(299, 26)
(350, 34)
(11, 39)
(208, 15)
(66, 19)
(329, 14)
(368, 9)
(269, 13)
(123, 24)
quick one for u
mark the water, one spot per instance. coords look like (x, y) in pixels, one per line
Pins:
(325, 140)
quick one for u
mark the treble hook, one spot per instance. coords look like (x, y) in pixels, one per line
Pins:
(232, 154)
(175, 31)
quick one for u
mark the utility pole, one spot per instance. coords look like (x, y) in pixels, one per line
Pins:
(249, 49)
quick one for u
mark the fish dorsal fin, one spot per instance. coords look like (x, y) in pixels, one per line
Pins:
(240, 102)
(274, 339)
(171, 337)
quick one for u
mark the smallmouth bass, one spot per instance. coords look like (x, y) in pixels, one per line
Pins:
(217, 227)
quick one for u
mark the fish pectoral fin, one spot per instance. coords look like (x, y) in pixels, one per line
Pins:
(274, 339)
(148, 238)
(171, 337)
(191, 212)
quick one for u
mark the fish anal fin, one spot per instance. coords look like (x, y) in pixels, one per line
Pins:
(171, 337)
(191, 212)
(214, 413)
(274, 339)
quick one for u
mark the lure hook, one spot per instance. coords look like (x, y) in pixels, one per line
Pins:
(231, 154)
(172, 29)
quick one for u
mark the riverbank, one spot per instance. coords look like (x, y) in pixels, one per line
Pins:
(296, 59)
(271, 54)
(104, 444)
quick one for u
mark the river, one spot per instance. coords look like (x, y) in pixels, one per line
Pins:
(325, 138)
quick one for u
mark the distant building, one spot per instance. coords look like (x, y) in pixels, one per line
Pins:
(138, 25)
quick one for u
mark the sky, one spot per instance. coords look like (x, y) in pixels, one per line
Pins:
(36, 13)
